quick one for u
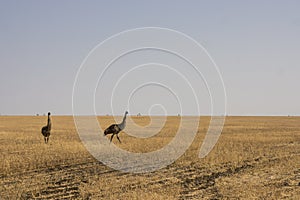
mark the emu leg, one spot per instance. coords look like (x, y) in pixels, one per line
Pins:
(112, 137)
(119, 139)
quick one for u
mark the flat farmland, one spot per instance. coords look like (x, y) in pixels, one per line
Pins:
(254, 158)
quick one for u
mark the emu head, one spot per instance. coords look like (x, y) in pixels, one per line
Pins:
(49, 113)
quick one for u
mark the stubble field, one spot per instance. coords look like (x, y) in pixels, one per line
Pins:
(255, 158)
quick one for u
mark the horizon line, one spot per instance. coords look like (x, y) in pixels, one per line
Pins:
(185, 115)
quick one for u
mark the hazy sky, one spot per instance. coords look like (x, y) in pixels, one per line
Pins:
(256, 45)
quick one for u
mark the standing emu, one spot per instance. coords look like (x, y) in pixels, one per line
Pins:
(46, 129)
(114, 129)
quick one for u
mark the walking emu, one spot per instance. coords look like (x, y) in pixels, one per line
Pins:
(114, 129)
(46, 129)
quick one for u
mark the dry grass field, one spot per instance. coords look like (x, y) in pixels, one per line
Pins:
(255, 158)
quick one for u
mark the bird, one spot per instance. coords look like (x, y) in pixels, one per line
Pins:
(114, 129)
(46, 129)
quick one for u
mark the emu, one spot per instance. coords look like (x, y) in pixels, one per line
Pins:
(114, 129)
(46, 129)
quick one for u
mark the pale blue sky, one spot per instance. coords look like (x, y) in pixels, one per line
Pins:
(255, 44)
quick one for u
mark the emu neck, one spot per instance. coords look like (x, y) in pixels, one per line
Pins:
(123, 124)
(124, 119)
(49, 123)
